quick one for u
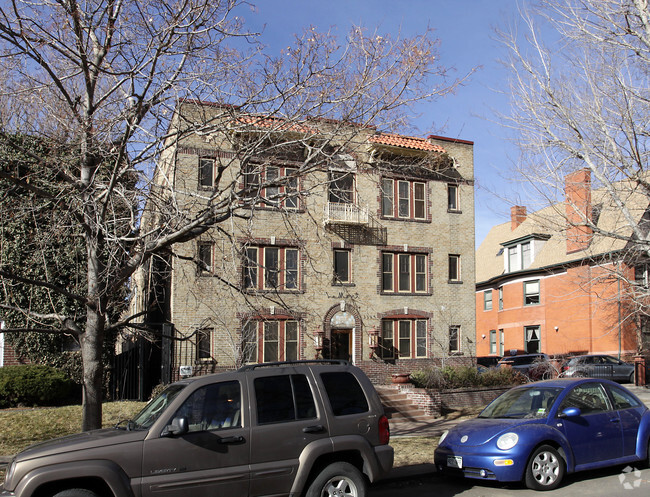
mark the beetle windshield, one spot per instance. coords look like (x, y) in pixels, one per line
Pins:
(156, 407)
(531, 402)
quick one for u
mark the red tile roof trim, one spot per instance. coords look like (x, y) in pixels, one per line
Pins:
(406, 142)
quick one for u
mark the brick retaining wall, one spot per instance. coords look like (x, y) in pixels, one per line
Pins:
(433, 402)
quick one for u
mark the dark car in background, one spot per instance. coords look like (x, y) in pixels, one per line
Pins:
(534, 366)
(599, 366)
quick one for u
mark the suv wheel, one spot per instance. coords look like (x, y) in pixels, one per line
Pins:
(340, 479)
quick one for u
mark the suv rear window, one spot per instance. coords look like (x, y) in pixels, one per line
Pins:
(344, 393)
(283, 398)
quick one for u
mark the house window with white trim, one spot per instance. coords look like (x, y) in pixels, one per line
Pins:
(532, 339)
(342, 266)
(271, 268)
(493, 341)
(205, 258)
(403, 199)
(454, 268)
(403, 338)
(454, 339)
(204, 344)
(207, 172)
(453, 198)
(404, 272)
(487, 300)
(531, 292)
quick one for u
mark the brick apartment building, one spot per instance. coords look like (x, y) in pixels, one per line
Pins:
(367, 257)
(549, 282)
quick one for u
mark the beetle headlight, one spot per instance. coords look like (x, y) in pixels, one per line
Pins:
(443, 436)
(507, 441)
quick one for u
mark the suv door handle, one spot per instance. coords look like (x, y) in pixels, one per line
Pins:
(231, 440)
(313, 429)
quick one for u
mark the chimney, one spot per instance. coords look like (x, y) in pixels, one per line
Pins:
(577, 190)
(518, 215)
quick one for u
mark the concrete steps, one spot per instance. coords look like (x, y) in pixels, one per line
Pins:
(398, 407)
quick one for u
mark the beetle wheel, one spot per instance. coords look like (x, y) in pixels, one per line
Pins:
(545, 469)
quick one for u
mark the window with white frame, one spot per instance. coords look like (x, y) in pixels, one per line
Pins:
(454, 339)
(205, 257)
(404, 272)
(271, 268)
(403, 338)
(204, 344)
(207, 174)
(341, 187)
(403, 199)
(453, 198)
(493, 341)
(500, 298)
(454, 268)
(532, 339)
(531, 292)
(278, 340)
(342, 266)
(487, 300)
(275, 185)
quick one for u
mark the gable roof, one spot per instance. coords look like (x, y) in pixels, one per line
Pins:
(612, 234)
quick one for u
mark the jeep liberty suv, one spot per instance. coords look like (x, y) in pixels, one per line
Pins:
(303, 428)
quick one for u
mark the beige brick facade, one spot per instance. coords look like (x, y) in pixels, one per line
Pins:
(306, 299)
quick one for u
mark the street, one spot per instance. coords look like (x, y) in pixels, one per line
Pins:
(615, 481)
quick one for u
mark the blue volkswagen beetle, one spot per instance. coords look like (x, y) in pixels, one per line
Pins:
(537, 432)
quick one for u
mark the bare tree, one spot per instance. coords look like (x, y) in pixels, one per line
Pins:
(581, 99)
(99, 83)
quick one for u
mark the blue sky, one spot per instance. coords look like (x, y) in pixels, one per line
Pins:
(466, 31)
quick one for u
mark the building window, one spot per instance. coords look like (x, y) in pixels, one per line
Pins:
(500, 298)
(249, 342)
(641, 275)
(520, 256)
(341, 187)
(454, 267)
(531, 292)
(279, 341)
(403, 199)
(493, 341)
(404, 338)
(487, 300)
(203, 344)
(281, 182)
(342, 266)
(453, 200)
(271, 268)
(454, 339)
(525, 255)
(206, 172)
(532, 339)
(205, 254)
(402, 272)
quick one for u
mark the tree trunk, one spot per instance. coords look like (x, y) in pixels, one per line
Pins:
(91, 353)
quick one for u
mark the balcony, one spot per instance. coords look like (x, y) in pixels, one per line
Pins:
(354, 224)
(345, 214)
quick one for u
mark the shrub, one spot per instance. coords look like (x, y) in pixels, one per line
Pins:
(462, 377)
(34, 385)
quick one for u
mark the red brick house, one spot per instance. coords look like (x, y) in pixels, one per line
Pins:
(549, 282)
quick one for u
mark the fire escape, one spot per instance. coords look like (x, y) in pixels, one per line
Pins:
(354, 224)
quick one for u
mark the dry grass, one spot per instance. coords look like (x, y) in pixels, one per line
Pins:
(410, 451)
(20, 428)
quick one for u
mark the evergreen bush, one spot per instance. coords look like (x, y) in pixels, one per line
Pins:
(450, 377)
(34, 385)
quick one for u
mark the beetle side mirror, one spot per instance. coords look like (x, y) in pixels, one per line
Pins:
(569, 412)
(178, 427)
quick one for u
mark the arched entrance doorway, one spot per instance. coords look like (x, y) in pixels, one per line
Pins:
(342, 329)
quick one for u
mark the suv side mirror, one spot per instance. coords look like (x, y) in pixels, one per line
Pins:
(178, 427)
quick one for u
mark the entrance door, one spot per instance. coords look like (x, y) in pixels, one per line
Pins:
(341, 344)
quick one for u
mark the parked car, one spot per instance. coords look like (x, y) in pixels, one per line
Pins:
(538, 432)
(599, 366)
(296, 428)
(534, 366)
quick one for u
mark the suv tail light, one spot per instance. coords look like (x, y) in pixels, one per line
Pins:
(384, 430)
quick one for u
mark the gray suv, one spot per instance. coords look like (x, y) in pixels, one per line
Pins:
(305, 428)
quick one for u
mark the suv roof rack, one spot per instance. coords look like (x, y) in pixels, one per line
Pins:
(250, 367)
